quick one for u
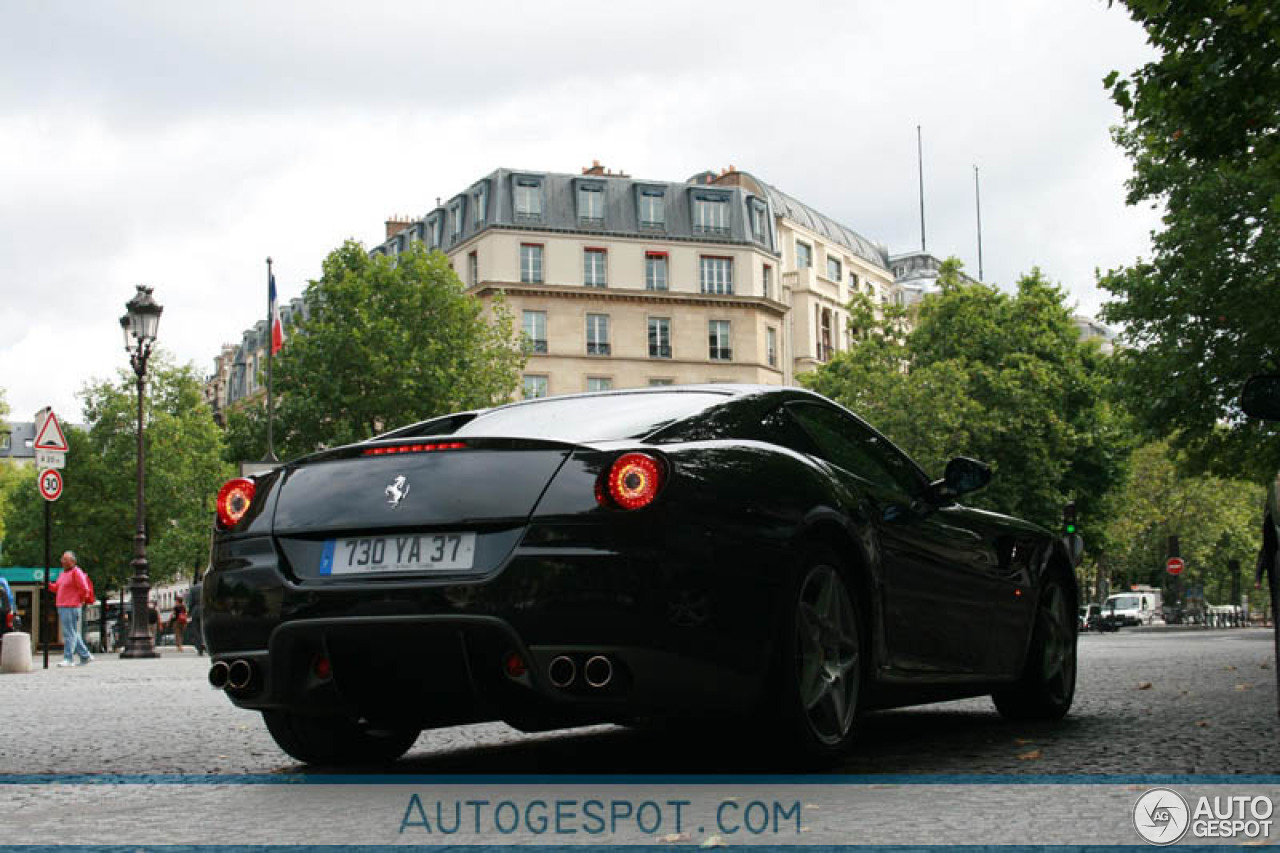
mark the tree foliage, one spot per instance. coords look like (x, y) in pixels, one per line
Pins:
(95, 517)
(1215, 520)
(1201, 125)
(389, 341)
(1000, 377)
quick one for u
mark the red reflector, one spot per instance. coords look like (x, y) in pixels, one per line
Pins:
(414, 448)
(321, 667)
(633, 481)
(515, 665)
(234, 499)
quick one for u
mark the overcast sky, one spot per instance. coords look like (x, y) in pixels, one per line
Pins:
(179, 144)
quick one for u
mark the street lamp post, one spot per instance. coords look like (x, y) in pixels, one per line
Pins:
(139, 326)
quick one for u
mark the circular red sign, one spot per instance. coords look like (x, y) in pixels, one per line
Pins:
(50, 482)
(1175, 565)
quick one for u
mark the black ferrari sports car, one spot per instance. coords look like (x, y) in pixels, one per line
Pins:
(663, 553)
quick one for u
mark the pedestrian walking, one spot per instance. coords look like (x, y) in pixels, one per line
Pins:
(72, 590)
(178, 621)
(195, 627)
(153, 619)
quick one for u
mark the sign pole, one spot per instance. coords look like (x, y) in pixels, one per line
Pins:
(44, 590)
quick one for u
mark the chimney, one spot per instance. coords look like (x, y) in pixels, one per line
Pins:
(396, 224)
(594, 169)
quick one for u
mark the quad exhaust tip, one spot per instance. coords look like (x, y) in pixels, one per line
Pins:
(218, 674)
(239, 674)
(598, 672)
(562, 671)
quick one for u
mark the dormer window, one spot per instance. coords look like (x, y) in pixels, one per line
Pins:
(480, 204)
(456, 211)
(435, 230)
(652, 203)
(759, 221)
(590, 204)
(710, 213)
(528, 199)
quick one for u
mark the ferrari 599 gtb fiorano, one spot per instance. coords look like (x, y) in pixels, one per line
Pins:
(664, 553)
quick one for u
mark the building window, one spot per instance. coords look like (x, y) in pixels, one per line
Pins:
(767, 280)
(593, 267)
(473, 269)
(759, 221)
(436, 229)
(771, 345)
(659, 383)
(655, 270)
(534, 326)
(535, 387)
(480, 204)
(597, 334)
(710, 214)
(590, 204)
(804, 255)
(659, 337)
(834, 272)
(718, 331)
(853, 282)
(653, 209)
(455, 219)
(825, 349)
(599, 383)
(716, 274)
(531, 263)
(528, 200)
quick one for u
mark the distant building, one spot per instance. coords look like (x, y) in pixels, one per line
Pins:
(1092, 330)
(915, 276)
(17, 442)
(238, 371)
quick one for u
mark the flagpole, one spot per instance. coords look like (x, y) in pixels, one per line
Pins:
(271, 408)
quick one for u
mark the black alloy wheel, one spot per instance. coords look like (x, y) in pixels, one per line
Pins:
(337, 740)
(1048, 683)
(822, 676)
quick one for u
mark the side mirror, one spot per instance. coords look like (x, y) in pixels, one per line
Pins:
(963, 475)
(1261, 397)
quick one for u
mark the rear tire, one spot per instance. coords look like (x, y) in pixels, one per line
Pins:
(821, 665)
(337, 740)
(1048, 683)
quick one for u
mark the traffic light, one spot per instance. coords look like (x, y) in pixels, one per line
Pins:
(1069, 517)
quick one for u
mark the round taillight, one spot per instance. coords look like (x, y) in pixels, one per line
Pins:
(234, 499)
(634, 480)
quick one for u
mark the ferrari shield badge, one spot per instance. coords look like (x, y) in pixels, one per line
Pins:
(397, 491)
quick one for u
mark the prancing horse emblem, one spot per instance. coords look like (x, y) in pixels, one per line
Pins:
(397, 491)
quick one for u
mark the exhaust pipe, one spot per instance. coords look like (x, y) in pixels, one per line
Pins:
(562, 671)
(218, 674)
(239, 674)
(599, 671)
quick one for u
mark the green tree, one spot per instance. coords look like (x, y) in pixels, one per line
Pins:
(1215, 520)
(96, 514)
(389, 341)
(1201, 125)
(1000, 377)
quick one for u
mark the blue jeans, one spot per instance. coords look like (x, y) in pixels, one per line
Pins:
(72, 642)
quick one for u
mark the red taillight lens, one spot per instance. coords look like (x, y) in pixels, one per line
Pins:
(234, 499)
(414, 448)
(8, 621)
(633, 481)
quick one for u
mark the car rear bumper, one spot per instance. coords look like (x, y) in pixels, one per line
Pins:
(663, 635)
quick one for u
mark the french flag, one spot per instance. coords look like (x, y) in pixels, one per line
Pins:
(277, 327)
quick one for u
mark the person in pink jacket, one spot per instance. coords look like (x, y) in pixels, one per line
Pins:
(71, 591)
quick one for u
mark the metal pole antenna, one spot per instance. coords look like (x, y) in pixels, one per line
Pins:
(977, 198)
(920, 164)
(271, 397)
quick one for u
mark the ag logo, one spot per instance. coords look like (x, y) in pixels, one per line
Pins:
(1161, 816)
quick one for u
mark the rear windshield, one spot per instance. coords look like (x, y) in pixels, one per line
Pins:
(604, 418)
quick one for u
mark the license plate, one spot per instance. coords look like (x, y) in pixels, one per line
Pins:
(428, 552)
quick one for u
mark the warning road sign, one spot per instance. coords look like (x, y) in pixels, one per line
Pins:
(51, 437)
(50, 483)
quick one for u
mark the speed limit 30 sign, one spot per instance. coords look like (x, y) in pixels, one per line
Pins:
(50, 483)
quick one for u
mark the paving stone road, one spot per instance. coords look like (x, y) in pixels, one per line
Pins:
(1201, 702)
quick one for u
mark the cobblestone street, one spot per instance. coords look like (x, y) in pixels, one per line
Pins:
(1199, 702)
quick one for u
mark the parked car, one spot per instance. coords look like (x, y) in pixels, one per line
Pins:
(700, 551)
